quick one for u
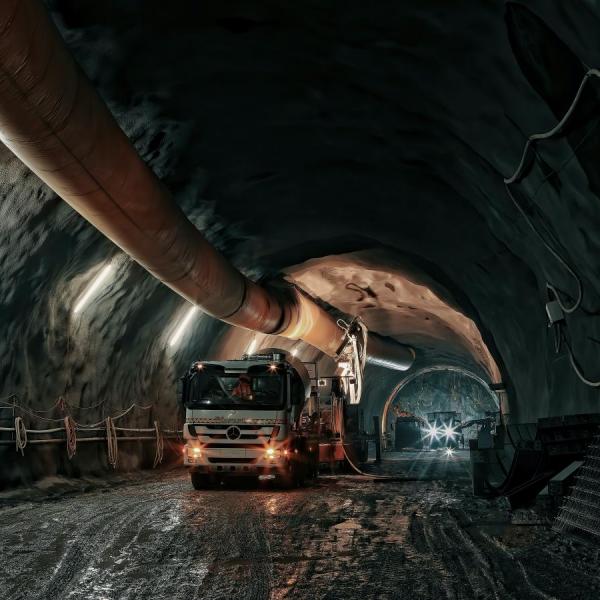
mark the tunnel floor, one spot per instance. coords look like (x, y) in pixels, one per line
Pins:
(345, 537)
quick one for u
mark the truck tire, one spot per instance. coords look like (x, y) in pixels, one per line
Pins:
(313, 467)
(200, 481)
(290, 479)
(301, 470)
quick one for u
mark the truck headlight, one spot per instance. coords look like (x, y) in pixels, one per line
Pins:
(272, 454)
(193, 452)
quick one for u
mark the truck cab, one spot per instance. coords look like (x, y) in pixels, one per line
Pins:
(242, 419)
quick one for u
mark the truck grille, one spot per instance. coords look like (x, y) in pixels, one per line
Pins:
(218, 432)
(226, 460)
(225, 426)
(235, 445)
(222, 436)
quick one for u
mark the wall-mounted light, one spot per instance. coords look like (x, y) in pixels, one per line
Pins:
(177, 335)
(93, 288)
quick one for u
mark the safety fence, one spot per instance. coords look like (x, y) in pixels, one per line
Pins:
(70, 432)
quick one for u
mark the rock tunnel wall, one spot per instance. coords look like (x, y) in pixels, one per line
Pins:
(281, 129)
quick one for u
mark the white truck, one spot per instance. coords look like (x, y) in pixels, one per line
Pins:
(242, 419)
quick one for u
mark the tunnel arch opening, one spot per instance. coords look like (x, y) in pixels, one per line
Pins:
(466, 393)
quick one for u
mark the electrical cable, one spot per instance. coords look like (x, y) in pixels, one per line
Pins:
(557, 331)
(560, 337)
(566, 309)
(559, 334)
(530, 145)
(576, 367)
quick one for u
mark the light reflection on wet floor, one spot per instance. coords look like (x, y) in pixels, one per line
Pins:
(347, 537)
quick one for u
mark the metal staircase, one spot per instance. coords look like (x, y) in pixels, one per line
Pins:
(580, 512)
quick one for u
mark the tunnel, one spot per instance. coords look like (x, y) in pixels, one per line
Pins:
(299, 300)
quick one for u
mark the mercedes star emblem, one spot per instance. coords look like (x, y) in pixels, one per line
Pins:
(233, 433)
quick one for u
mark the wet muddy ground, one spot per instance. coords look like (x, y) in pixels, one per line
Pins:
(346, 537)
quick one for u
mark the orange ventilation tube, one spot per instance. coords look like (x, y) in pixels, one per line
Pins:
(55, 122)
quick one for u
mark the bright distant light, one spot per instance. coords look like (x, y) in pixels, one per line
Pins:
(251, 347)
(432, 432)
(93, 288)
(183, 326)
(449, 432)
(449, 452)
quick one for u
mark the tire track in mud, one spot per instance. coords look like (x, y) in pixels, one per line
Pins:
(91, 541)
(344, 538)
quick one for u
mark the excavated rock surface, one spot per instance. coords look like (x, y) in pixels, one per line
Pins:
(299, 130)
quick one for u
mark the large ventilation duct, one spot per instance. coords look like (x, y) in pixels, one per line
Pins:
(386, 352)
(55, 122)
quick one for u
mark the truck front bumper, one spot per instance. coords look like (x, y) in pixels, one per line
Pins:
(244, 463)
(229, 470)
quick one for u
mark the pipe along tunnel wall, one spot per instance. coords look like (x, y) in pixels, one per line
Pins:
(358, 150)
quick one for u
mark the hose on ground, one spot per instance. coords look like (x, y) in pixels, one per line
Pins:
(112, 447)
(369, 475)
(20, 436)
(337, 421)
(160, 446)
(71, 435)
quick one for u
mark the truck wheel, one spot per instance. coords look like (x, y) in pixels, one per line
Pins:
(289, 480)
(301, 469)
(199, 480)
(311, 468)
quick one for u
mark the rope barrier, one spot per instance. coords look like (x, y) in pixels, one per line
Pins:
(112, 447)
(61, 403)
(158, 457)
(71, 435)
(125, 412)
(70, 427)
(20, 436)
(80, 440)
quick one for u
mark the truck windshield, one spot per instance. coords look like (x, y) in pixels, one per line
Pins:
(239, 391)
